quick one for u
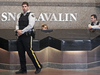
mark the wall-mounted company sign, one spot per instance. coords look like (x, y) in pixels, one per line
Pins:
(9, 16)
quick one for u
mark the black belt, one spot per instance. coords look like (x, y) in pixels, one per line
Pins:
(29, 33)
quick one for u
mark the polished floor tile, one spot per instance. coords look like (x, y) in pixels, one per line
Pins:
(52, 71)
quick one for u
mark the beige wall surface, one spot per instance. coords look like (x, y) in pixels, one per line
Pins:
(83, 1)
(57, 14)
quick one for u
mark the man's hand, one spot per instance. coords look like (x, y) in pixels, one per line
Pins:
(90, 27)
(99, 25)
(19, 32)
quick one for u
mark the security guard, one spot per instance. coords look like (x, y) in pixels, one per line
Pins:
(24, 30)
(94, 23)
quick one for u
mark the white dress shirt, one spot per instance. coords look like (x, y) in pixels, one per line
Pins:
(95, 26)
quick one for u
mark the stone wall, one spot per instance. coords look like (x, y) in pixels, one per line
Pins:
(57, 14)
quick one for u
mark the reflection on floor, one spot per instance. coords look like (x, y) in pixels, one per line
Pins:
(51, 71)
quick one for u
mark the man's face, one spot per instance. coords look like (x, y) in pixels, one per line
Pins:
(93, 19)
(25, 7)
(45, 28)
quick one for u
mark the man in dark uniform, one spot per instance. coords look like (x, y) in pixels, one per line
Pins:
(24, 30)
(94, 23)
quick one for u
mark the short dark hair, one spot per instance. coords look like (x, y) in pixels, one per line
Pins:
(95, 16)
(43, 25)
(25, 3)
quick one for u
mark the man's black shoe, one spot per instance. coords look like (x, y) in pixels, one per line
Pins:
(38, 71)
(21, 72)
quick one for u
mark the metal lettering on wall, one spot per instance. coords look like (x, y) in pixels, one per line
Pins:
(7, 16)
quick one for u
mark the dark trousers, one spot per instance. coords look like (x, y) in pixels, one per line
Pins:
(24, 43)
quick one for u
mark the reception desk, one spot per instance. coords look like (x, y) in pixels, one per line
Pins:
(60, 48)
(61, 39)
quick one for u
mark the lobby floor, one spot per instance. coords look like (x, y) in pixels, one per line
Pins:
(52, 71)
